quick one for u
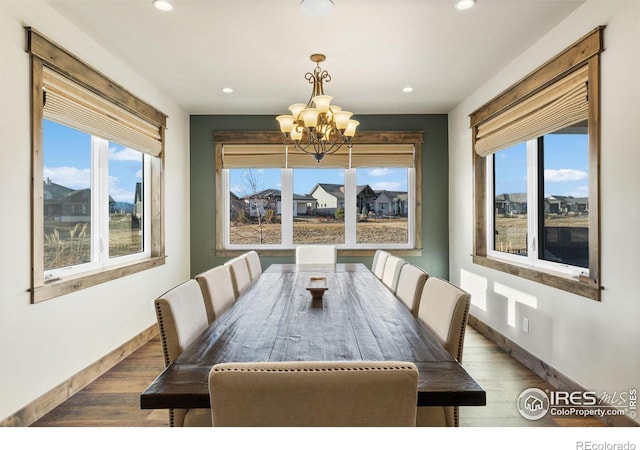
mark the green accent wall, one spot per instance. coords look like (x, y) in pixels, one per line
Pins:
(435, 181)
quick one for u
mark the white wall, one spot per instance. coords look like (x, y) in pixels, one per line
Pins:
(42, 345)
(594, 343)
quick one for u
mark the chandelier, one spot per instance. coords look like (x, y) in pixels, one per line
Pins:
(318, 128)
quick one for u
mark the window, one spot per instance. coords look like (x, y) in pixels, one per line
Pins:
(277, 197)
(97, 157)
(254, 209)
(383, 205)
(318, 206)
(538, 198)
(92, 188)
(536, 154)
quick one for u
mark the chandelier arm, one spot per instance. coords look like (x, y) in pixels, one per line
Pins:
(305, 147)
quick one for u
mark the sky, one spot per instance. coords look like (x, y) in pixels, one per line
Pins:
(566, 166)
(305, 179)
(67, 161)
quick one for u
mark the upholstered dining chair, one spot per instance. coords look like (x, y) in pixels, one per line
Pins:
(253, 261)
(377, 266)
(217, 291)
(392, 267)
(316, 254)
(444, 310)
(410, 284)
(240, 276)
(181, 318)
(312, 393)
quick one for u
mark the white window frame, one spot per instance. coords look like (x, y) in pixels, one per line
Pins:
(350, 217)
(534, 191)
(100, 216)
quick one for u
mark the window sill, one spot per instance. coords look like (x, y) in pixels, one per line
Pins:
(589, 289)
(56, 288)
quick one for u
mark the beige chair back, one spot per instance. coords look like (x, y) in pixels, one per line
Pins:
(240, 277)
(410, 284)
(314, 394)
(316, 254)
(391, 274)
(377, 266)
(253, 261)
(217, 291)
(444, 310)
(182, 317)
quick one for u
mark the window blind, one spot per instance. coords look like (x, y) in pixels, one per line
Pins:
(557, 106)
(382, 155)
(70, 104)
(280, 156)
(300, 160)
(253, 156)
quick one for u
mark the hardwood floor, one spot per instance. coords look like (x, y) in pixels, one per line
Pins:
(113, 400)
(503, 378)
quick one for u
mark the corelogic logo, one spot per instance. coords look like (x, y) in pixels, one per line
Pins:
(533, 404)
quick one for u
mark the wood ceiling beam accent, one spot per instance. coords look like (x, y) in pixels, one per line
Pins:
(276, 137)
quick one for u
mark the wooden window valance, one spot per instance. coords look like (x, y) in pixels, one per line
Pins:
(553, 97)
(70, 104)
(79, 96)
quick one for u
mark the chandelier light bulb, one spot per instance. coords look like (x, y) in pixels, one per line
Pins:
(296, 109)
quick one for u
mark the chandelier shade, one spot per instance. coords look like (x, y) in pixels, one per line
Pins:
(318, 127)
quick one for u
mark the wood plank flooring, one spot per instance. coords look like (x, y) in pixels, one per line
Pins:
(113, 400)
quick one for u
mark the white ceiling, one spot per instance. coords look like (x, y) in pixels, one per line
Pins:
(261, 49)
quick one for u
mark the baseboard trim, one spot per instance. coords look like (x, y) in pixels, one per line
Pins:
(541, 368)
(48, 401)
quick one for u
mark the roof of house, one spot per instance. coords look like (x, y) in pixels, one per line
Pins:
(402, 195)
(337, 190)
(332, 189)
(568, 198)
(54, 191)
(519, 197)
(277, 193)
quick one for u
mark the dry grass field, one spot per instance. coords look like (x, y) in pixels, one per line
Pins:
(511, 232)
(322, 231)
(70, 244)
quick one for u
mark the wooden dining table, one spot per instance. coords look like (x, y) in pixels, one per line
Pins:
(276, 319)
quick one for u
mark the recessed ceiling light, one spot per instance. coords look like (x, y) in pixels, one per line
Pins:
(227, 90)
(163, 5)
(407, 89)
(316, 7)
(465, 4)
